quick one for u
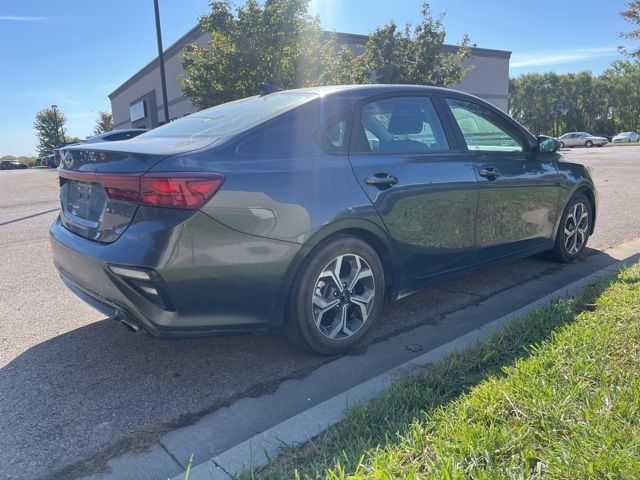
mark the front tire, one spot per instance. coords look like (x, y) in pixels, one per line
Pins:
(561, 144)
(336, 296)
(588, 144)
(573, 232)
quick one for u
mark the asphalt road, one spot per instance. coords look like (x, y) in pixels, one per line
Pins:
(77, 389)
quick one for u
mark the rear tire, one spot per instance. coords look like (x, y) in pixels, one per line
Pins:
(588, 144)
(336, 296)
(573, 231)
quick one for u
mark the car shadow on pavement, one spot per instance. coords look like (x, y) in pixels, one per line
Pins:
(71, 396)
(98, 391)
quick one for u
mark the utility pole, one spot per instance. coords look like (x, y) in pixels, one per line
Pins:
(163, 80)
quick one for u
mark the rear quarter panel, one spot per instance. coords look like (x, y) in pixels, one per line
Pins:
(280, 184)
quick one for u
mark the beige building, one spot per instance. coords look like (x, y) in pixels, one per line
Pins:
(138, 101)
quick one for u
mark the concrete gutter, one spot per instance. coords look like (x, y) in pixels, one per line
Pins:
(307, 424)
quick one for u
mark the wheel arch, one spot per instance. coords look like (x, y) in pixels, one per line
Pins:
(589, 192)
(367, 231)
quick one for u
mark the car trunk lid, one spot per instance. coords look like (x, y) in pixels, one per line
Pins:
(99, 183)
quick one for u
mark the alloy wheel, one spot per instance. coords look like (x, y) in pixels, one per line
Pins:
(575, 228)
(343, 297)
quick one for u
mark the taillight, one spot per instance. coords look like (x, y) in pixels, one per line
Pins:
(165, 189)
(120, 186)
(178, 190)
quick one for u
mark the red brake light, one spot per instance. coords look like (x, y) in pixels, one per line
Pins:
(170, 189)
(178, 190)
(121, 186)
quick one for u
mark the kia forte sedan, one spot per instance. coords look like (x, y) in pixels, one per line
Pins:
(305, 210)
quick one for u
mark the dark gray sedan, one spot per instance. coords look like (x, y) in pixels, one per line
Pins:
(306, 209)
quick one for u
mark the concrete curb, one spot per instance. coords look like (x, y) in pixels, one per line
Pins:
(257, 451)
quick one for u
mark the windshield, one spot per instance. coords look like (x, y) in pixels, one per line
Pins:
(231, 117)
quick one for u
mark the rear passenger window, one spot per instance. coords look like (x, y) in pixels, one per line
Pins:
(399, 125)
(482, 128)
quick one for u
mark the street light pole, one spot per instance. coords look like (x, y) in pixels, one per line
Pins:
(163, 80)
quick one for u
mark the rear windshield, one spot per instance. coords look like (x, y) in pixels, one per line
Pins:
(231, 117)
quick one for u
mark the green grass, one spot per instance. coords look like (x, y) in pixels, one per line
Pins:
(554, 395)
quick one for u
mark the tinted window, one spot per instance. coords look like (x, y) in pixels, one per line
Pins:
(278, 141)
(333, 136)
(231, 117)
(121, 136)
(483, 129)
(337, 133)
(399, 125)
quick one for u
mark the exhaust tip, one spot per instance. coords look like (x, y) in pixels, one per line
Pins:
(132, 327)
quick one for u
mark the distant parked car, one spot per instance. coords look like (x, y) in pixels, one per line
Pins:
(116, 135)
(581, 139)
(12, 165)
(626, 137)
(50, 161)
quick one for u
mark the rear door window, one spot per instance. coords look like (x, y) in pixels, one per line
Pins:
(399, 125)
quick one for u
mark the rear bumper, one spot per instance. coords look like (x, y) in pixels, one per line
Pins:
(213, 279)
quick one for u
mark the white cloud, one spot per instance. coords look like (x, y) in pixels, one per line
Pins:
(54, 95)
(559, 57)
(26, 18)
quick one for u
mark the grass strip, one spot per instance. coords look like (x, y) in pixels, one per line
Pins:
(555, 394)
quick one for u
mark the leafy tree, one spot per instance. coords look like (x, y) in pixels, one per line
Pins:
(49, 127)
(104, 123)
(532, 101)
(346, 67)
(632, 15)
(414, 54)
(277, 42)
(623, 78)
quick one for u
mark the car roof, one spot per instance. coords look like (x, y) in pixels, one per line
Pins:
(372, 89)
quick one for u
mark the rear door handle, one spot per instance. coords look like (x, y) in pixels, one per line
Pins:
(490, 172)
(381, 179)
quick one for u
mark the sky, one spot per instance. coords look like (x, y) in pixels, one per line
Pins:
(73, 53)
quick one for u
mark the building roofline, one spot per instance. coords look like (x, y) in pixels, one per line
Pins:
(177, 46)
(172, 50)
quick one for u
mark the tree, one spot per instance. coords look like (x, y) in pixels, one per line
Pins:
(623, 78)
(104, 123)
(415, 55)
(632, 15)
(346, 67)
(49, 127)
(532, 99)
(277, 42)
(533, 96)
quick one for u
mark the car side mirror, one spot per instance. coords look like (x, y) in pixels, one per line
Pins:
(547, 144)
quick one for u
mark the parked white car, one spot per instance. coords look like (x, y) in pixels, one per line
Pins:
(581, 139)
(626, 137)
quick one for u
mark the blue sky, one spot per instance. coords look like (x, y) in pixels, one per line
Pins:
(73, 53)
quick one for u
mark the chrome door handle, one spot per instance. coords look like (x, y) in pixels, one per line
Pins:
(490, 172)
(381, 179)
